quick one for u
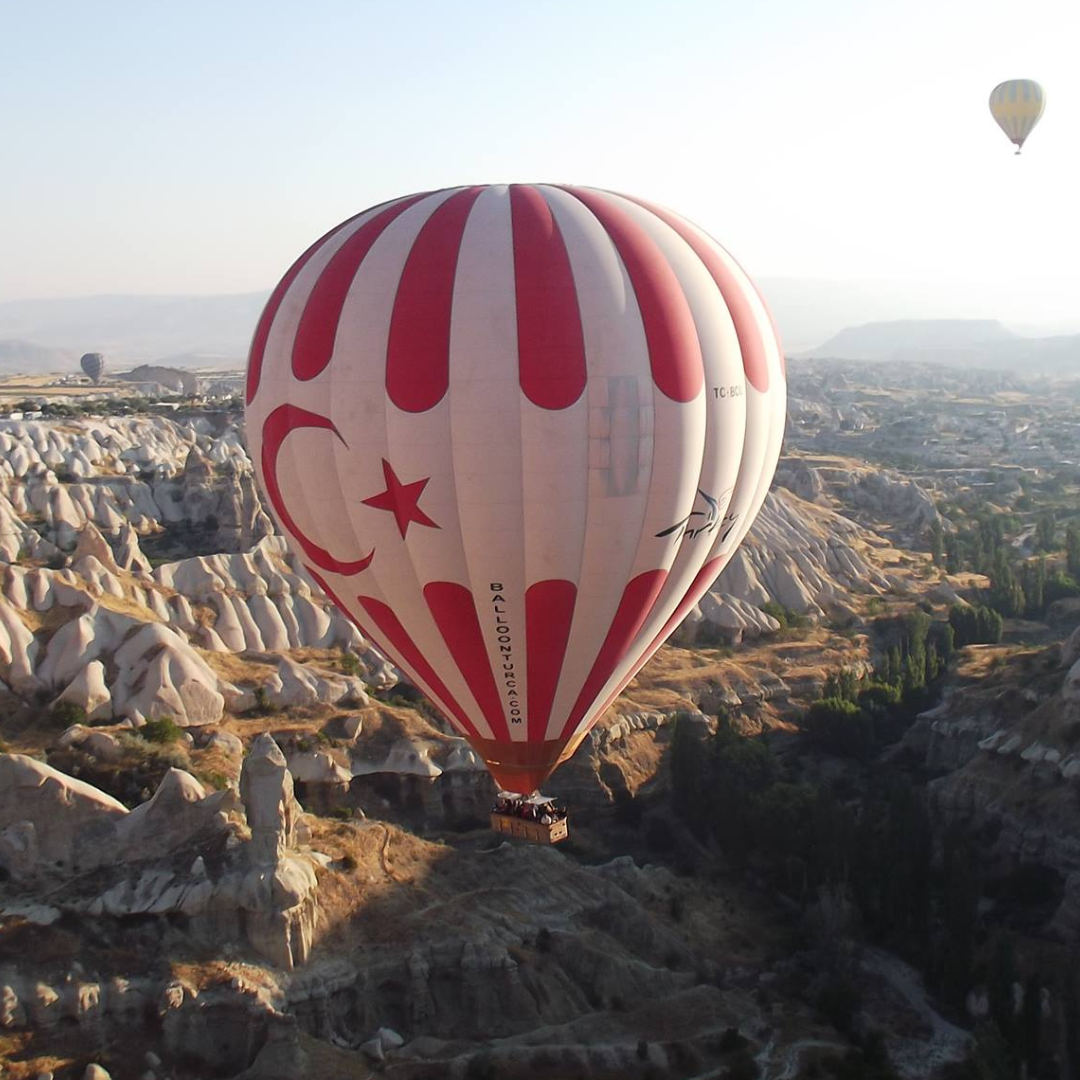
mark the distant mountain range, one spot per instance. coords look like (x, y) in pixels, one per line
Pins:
(976, 343)
(22, 356)
(185, 331)
(215, 331)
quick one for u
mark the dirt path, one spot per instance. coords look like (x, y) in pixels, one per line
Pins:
(915, 1058)
(785, 1066)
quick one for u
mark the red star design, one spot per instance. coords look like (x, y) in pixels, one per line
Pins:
(401, 500)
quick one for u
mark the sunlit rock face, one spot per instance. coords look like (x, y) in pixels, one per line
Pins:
(805, 558)
(98, 502)
(142, 472)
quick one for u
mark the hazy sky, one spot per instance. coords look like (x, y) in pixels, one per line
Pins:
(198, 147)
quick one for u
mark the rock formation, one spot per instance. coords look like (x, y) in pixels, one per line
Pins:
(1007, 744)
(55, 828)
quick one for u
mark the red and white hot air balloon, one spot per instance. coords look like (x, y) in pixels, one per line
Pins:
(515, 432)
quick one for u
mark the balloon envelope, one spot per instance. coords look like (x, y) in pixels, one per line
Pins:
(515, 432)
(1016, 105)
(93, 364)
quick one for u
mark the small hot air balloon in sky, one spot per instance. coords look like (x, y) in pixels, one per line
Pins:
(515, 433)
(93, 364)
(1016, 105)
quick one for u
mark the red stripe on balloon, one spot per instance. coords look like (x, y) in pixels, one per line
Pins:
(341, 606)
(266, 320)
(551, 344)
(281, 423)
(401, 645)
(674, 350)
(313, 345)
(418, 349)
(452, 607)
(549, 611)
(637, 602)
(373, 639)
(747, 328)
(701, 584)
(698, 588)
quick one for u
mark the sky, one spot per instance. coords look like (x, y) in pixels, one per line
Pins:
(199, 147)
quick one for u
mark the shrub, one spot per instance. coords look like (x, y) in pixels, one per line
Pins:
(263, 704)
(732, 1040)
(710, 635)
(838, 1003)
(66, 713)
(879, 697)
(839, 727)
(163, 730)
(350, 663)
(777, 611)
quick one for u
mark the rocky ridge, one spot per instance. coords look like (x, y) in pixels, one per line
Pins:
(108, 633)
(1007, 746)
(377, 946)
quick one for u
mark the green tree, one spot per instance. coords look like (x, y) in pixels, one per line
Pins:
(1031, 1024)
(961, 890)
(894, 671)
(1006, 592)
(1002, 976)
(843, 684)
(937, 543)
(1072, 549)
(739, 769)
(957, 558)
(688, 772)
(839, 727)
(1033, 580)
(1046, 531)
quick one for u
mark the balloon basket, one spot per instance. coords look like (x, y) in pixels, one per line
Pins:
(536, 818)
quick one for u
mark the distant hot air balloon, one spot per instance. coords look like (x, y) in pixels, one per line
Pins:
(1017, 105)
(515, 432)
(93, 364)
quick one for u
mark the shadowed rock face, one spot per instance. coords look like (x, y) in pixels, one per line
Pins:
(54, 828)
(804, 557)
(1007, 744)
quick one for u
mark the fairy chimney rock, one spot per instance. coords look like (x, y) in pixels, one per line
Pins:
(266, 789)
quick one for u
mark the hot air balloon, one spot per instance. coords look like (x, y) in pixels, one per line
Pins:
(93, 364)
(515, 433)
(1016, 105)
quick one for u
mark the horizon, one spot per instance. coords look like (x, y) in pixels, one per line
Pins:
(143, 327)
